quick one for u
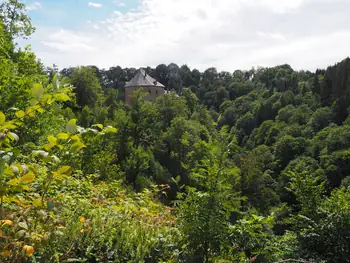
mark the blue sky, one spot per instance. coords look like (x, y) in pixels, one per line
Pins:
(227, 34)
(74, 14)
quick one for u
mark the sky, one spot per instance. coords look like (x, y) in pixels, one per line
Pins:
(226, 34)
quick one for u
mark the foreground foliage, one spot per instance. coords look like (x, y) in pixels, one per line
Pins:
(245, 167)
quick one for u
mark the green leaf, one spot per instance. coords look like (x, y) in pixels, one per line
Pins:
(49, 146)
(23, 225)
(76, 147)
(72, 126)
(61, 97)
(75, 138)
(20, 114)
(27, 178)
(9, 125)
(13, 182)
(58, 176)
(110, 129)
(67, 170)
(13, 136)
(47, 98)
(37, 203)
(63, 136)
(2, 117)
(30, 111)
(55, 82)
(37, 90)
(52, 140)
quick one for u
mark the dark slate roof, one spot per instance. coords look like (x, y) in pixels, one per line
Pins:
(142, 79)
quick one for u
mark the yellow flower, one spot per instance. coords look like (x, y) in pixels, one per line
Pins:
(6, 253)
(6, 222)
(82, 219)
(29, 250)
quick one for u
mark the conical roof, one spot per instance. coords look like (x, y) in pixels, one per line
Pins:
(142, 79)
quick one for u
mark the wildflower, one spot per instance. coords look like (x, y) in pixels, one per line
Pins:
(82, 219)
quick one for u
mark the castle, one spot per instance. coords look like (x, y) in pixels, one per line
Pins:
(149, 85)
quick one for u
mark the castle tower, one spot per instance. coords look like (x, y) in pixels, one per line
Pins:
(145, 81)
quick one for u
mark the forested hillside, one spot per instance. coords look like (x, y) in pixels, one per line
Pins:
(242, 166)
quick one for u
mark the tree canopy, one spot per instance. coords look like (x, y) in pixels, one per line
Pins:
(241, 166)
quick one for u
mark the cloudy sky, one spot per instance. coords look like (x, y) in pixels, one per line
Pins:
(227, 34)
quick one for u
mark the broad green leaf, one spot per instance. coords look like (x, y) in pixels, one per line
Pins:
(55, 82)
(23, 225)
(60, 146)
(21, 233)
(58, 176)
(62, 136)
(9, 125)
(49, 159)
(13, 182)
(37, 90)
(25, 188)
(41, 110)
(34, 102)
(13, 136)
(2, 117)
(30, 111)
(61, 97)
(20, 114)
(49, 146)
(110, 129)
(47, 98)
(27, 178)
(76, 147)
(17, 200)
(52, 140)
(37, 203)
(75, 138)
(72, 126)
(65, 170)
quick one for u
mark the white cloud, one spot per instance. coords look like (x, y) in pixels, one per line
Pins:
(119, 3)
(34, 6)
(227, 34)
(67, 41)
(96, 5)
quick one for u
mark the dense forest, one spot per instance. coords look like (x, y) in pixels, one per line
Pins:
(242, 166)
